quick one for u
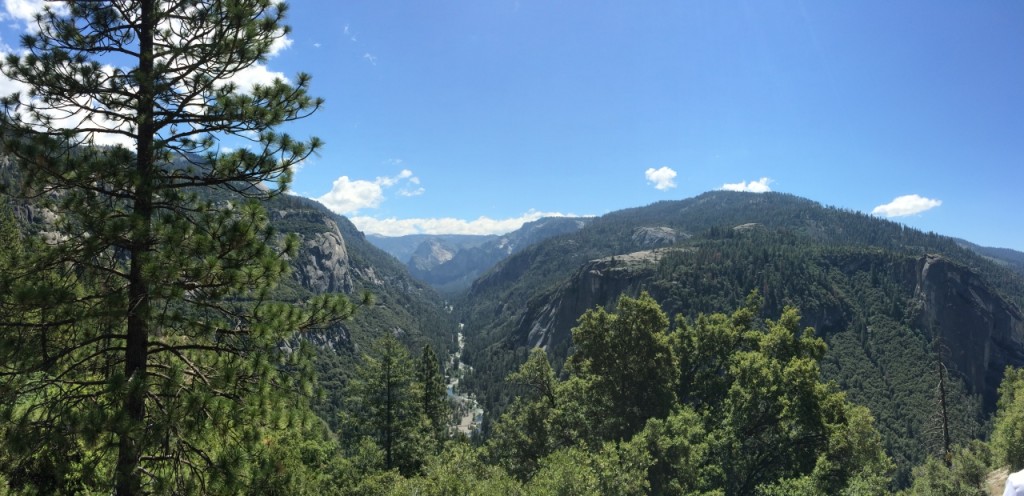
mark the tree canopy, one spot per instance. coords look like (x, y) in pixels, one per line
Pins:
(728, 403)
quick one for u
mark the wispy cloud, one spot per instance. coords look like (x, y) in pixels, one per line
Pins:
(26, 10)
(448, 225)
(906, 205)
(759, 186)
(663, 179)
(348, 34)
(370, 58)
(348, 196)
(412, 192)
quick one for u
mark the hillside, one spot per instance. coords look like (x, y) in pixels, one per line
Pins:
(1011, 259)
(333, 257)
(888, 300)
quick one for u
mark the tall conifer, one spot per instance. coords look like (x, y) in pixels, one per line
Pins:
(384, 402)
(154, 348)
(433, 394)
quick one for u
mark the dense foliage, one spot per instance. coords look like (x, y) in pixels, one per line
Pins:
(726, 404)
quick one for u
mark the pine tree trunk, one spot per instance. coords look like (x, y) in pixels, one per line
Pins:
(128, 477)
(947, 453)
(129, 453)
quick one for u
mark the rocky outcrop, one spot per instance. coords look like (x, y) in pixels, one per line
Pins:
(981, 332)
(655, 236)
(750, 226)
(598, 283)
(322, 264)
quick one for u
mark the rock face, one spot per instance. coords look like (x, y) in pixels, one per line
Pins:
(430, 254)
(655, 236)
(334, 257)
(322, 264)
(598, 283)
(982, 333)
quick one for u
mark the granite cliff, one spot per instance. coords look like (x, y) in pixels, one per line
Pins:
(982, 333)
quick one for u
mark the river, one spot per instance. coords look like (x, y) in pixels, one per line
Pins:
(470, 414)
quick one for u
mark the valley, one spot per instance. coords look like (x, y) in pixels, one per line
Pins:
(468, 416)
(891, 303)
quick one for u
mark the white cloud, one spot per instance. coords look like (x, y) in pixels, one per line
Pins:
(76, 111)
(391, 181)
(8, 86)
(663, 178)
(906, 205)
(282, 42)
(759, 186)
(371, 58)
(255, 74)
(26, 10)
(348, 196)
(448, 225)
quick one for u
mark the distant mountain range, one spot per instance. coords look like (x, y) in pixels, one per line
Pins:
(450, 262)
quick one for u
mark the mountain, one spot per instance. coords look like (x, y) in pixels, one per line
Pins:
(403, 247)
(450, 263)
(892, 302)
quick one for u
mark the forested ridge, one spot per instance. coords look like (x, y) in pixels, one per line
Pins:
(173, 322)
(857, 280)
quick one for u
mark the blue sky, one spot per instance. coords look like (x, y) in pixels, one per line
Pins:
(473, 116)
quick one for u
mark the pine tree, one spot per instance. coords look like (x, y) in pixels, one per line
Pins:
(383, 402)
(150, 355)
(1008, 423)
(433, 395)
